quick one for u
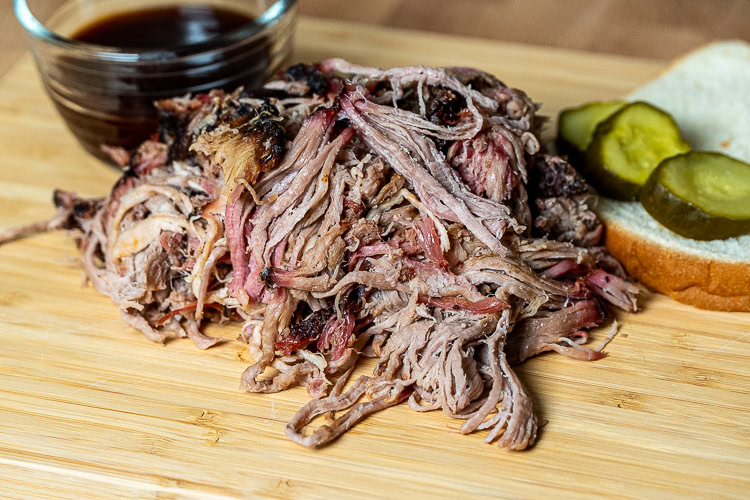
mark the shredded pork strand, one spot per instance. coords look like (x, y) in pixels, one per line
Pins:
(344, 212)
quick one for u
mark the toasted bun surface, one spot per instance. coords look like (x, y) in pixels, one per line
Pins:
(707, 93)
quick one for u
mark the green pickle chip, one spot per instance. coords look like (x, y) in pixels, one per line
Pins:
(628, 146)
(700, 195)
(576, 126)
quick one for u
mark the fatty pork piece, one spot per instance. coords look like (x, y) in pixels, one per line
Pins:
(343, 212)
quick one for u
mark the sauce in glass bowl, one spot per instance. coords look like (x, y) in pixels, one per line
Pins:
(103, 65)
(159, 27)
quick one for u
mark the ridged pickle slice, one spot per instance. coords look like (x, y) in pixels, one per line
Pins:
(576, 127)
(628, 146)
(700, 195)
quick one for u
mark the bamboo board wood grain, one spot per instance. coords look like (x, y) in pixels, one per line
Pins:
(91, 409)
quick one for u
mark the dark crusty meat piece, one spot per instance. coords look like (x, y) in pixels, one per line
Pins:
(312, 77)
(552, 176)
(568, 218)
(306, 331)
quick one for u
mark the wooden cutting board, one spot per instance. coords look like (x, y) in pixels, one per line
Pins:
(91, 409)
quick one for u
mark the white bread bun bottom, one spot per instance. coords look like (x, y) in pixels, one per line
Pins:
(708, 94)
(706, 274)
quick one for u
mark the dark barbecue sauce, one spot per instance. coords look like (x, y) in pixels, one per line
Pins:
(106, 102)
(162, 27)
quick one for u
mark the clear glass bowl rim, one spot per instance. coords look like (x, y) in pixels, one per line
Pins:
(275, 13)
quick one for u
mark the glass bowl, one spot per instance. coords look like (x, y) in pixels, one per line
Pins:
(106, 94)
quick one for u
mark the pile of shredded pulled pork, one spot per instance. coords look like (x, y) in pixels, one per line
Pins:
(343, 212)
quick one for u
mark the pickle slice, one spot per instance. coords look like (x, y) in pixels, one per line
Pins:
(699, 195)
(576, 127)
(628, 146)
